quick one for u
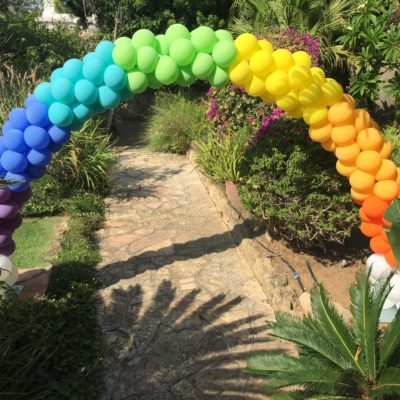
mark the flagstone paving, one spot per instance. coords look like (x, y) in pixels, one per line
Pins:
(180, 306)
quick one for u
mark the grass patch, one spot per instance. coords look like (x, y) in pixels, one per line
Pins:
(35, 241)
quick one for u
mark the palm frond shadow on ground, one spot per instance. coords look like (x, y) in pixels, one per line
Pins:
(169, 348)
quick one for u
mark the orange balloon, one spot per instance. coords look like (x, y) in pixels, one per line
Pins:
(375, 207)
(344, 168)
(390, 259)
(375, 125)
(320, 133)
(378, 245)
(386, 150)
(387, 171)
(369, 139)
(362, 182)
(369, 161)
(364, 217)
(370, 230)
(348, 152)
(343, 134)
(386, 190)
(358, 197)
(329, 145)
(349, 99)
(341, 113)
(363, 119)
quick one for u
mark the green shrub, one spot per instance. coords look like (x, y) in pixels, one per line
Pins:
(292, 183)
(174, 122)
(392, 134)
(85, 162)
(85, 203)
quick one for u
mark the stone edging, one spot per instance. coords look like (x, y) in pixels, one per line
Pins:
(281, 296)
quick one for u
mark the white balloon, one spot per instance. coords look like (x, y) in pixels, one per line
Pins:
(8, 272)
(378, 266)
(388, 304)
(394, 295)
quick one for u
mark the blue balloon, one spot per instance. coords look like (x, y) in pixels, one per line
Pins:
(23, 180)
(72, 69)
(39, 158)
(17, 118)
(43, 93)
(86, 91)
(82, 112)
(97, 108)
(77, 124)
(54, 147)
(93, 70)
(126, 94)
(57, 73)
(37, 114)
(62, 90)
(13, 161)
(14, 140)
(115, 77)
(3, 148)
(36, 137)
(6, 127)
(60, 114)
(108, 98)
(59, 135)
(35, 172)
(90, 56)
(104, 51)
(31, 99)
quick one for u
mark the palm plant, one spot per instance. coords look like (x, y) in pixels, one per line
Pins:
(325, 20)
(337, 359)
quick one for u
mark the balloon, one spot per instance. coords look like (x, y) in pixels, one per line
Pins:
(315, 115)
(185, 77)
(5, 194)
(318, 76)
(104, 51)
(386, 190)
(166, 71)
(13, 161)
(374, 207)
(378, 266)
(147, 59)
(115, 77)
(5, 236)
(369, 139)
(85, 92)
(3, 148)
(108, 98)
(17, 118)
(387, 170)
(299, 77)
(265, 45)
(8, 273)
(341, 113)
(13, 223)
(123, 40)
(35, 172)
(255, 86)
(261, 62)
(331, 91)
(54, 147)
(59, 135)
(240, 73)
(343, 134)
(8, 251)
(386, 150)
(203, 39)
(220, 78)
(125, 93)
(283, 59)
(302, 58)
(62, 90)
(277, 83)
(177, 31)
(6, 127)
(203, 66)
(182, 52)
(14, 140)
(37, 114)
(9, 209)
(162, 45)
(153, 82)
(137, 81)
(39, 158)
(60, 114)
(391, 259)
(36, 137)
(124, 55)
(72, 69)
(347, 153)
(143, 37)
(43, 93)
(369, 161)
(31, 99)
(246, 44)
(310, 96)
(362, 119)
(362, 182)
(93, 70)
(224, 53)
(287, 102)
(82, 112)
(370, 230)
(320, 133)
(345, 168)
(57, 73)
(223, 34)
(96, 108)
(379, 245)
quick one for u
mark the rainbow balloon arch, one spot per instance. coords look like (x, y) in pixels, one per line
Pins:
(115, 72)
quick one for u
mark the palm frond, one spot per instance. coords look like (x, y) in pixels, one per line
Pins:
(390, 343)
(389, 383)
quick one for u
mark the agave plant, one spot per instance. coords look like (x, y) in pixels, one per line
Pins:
(337, 359)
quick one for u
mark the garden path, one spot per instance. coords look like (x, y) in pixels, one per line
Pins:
(180, 306)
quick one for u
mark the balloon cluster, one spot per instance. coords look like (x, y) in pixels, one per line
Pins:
(178, 56)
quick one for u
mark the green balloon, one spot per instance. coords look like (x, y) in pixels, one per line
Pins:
(203, 39)
(147, 59)
(177, 31)
(166, 71)
(162, 45)
(223, 34)
(182, 52)
(143, 37)
(123, 39)
(185, 77)
(219, 78)
(203, 66)
(124, 55)
(154, 83)
(224, 53)
(137, 81)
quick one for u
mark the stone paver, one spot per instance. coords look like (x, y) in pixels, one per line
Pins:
(180, 307)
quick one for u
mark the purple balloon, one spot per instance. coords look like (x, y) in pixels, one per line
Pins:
(5, 236)
(6, 127)
(8, 250)
(18, 118)
(37, 114)
(21, 180)
(9, 209)
(5, 194)
(30, 100)
(22, 197)
(36, 137)
(14, 140)
(59, 135)
(13, 223)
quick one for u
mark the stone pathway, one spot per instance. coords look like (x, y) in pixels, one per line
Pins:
(180, 307)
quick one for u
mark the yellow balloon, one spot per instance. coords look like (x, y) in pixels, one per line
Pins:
(344, 168)
(265, 45)
(332, 92)
(347, 153)
(287, 102)
(361, 181)
(299, 77)
(302, 58)
(386, 150)
(261, 62)
(240, 73)
(387, 171)
(283, 59)
(267, 97)
(362, 119)
(255, 87)
(296, 113)
(369, 161)
(343, 134)
(386, 190)
(359, 196)
(310, 96)
(349, 99)
(246, 44)
(278, 83)
(315, 116)
(318, 76)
